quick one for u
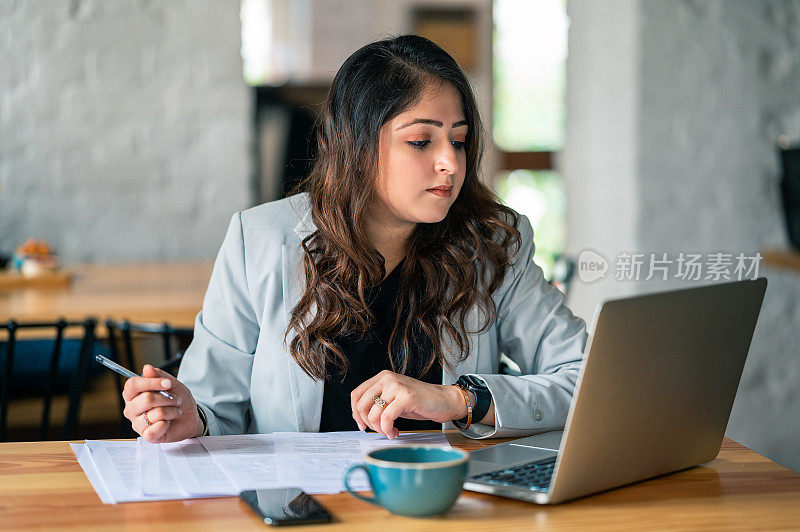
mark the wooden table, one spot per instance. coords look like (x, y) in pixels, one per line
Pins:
(787, 259)
(42, 485)
(138, 292)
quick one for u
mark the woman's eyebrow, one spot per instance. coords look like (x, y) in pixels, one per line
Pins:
(432, 122)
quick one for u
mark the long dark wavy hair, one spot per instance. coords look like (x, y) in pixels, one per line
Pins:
(450, 266)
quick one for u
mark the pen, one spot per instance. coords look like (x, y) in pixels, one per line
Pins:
(125, 372)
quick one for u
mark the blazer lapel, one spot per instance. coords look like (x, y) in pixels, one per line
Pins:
(306, 392)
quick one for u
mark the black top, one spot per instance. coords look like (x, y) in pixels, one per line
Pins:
(368, 355)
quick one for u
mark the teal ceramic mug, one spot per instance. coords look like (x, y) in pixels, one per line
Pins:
(414, 480)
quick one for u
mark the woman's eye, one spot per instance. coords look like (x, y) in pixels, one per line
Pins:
(422, 144)
(419, 144)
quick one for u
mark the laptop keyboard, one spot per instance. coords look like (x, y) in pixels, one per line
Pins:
(534, 476)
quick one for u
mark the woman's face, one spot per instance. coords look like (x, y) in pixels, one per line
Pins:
(422, 159)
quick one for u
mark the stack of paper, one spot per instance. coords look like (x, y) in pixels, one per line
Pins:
(213, 466)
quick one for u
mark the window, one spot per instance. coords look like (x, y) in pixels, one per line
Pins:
(529, 64)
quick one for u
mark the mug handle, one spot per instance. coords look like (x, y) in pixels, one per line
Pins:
(350, 490)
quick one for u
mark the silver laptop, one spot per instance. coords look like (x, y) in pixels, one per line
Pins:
(654, 396)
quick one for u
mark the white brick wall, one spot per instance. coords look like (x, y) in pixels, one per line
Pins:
(124, 127)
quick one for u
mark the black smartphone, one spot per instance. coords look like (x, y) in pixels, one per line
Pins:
(285, 506)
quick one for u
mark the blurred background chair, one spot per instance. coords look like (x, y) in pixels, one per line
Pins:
(563, 273)
(43, 363)
(127, 339)
(172, 342)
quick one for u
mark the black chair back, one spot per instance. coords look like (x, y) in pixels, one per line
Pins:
(173, 340)
(790, 192)
(77, 382)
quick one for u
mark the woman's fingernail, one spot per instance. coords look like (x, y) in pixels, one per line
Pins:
(179, 401)
(179, 412)
(165, 383)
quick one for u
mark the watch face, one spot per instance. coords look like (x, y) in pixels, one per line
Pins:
(474, 384)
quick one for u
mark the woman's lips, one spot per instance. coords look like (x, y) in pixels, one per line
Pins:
(442, 192)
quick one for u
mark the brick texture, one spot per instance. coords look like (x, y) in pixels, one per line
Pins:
(124, 127)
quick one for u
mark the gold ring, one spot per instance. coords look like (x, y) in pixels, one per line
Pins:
(378, 401)
(146, 421)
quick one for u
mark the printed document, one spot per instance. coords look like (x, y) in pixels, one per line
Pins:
(124, 471)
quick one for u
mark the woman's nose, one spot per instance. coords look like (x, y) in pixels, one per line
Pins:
(446, 162)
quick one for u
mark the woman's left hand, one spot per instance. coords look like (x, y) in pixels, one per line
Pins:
(405, 397)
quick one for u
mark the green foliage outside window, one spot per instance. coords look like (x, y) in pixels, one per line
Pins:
(539, 195)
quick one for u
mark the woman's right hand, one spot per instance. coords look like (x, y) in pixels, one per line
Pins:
(170, 420)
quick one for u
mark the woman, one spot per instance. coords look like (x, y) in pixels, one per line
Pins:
(358, 303)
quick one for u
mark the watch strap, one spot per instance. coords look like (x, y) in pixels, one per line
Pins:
(483, 397)
(203, 419)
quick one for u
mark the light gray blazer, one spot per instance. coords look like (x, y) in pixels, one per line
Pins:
(241, 374)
